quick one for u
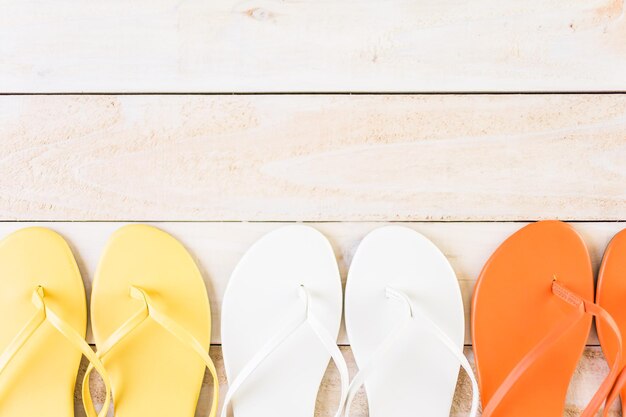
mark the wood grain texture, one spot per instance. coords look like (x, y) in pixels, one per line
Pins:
(592, 368)
(313, 157)
(217, 247)
(273, 45)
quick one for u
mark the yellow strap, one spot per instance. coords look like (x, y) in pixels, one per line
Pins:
(168, 324)
(44, 313)
(21, 338)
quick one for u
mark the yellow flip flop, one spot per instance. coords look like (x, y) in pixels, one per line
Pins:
(152, 325)
(42, 331)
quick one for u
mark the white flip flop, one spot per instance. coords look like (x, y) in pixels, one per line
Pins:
(280, 320)
(405, 322)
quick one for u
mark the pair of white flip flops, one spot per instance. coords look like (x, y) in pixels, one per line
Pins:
(404, 317)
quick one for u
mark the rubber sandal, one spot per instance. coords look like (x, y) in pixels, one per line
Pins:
(152, 325)
(42, 331)
(280, 320)
(530, 322)
(610, 294)
(406, 324)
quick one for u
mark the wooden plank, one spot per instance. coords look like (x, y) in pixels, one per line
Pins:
(272, 45)
(314, 158)
(217, 247)
(592, 368)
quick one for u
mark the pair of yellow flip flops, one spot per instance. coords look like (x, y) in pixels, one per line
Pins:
(150, 317)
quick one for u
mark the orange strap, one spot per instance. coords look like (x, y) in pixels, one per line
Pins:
(606, 387)
(582, 307)
(615, 391)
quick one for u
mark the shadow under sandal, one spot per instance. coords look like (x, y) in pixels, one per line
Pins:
(531, 317)
(43, 326)
(152, 325)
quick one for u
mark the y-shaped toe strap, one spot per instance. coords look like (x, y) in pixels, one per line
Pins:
(45, 313)
(149, 310)
(581, 307)
(414, 318)
(304, 316)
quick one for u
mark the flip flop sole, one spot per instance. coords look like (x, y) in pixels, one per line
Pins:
(152, 373)
(513, 309)
(262, 295)
(611, 295)
(40, 379)
(417, 373)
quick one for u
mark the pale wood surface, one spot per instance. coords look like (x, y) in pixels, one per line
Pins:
(591, 370)
(217, 247)
(359, 160)
(313, 157)
(272, 45)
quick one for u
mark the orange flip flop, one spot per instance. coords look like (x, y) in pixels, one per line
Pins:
(530, 321)
(611, 295)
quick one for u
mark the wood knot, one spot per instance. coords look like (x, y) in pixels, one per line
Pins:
(259, 13)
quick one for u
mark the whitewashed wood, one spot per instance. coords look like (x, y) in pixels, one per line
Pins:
(313, 158)
(217, 247)
(273, 45)
(592, 368)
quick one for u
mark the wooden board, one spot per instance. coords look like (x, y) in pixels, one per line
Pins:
(591, 370)
(312, 157)
(466, 170)
(217, 247)
(273, 45)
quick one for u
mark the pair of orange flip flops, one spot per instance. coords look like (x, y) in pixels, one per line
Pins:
(532, 310)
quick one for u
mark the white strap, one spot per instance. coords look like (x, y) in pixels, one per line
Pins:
(383, 348)
(303, 317)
